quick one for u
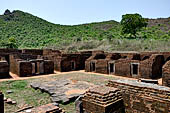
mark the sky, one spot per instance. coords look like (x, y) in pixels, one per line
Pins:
(73, 12)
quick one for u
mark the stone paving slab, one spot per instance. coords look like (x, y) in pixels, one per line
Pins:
(63, 91)
(49, 108)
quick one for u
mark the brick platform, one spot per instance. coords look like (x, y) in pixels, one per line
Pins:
(141, 97)
(103, 99)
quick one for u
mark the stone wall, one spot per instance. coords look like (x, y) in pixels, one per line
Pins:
(166, 74)
(1, 103)
(143, 97)
(4, 69)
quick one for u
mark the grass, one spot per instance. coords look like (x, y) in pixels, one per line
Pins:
(116, 44)
(24, 95)
(69, 108)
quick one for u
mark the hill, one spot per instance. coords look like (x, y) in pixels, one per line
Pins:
(33, 32)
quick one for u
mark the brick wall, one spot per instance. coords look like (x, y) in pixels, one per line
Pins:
(4, 69)
(51, 52)
(103, 99)
(63, 62)
(32, 51)
(152, 67)
(143, 97)
(10, 51)
(101, 66)
(1, 103)
(48, 67)
(25, 68)
(166, 74)
(123, 67)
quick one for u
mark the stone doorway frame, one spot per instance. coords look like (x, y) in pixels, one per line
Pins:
(93, 66)
(113, 68)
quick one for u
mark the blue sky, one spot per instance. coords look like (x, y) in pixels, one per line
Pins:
(71, 12)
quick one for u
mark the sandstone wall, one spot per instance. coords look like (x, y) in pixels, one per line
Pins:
(143, 97)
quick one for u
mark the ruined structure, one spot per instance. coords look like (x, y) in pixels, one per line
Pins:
(152, 67)
(4, 68)
(143, 97)
(166, 74)
(32, 51)
(72, 62)
(1, 103)
(27, 65)
(137, 65)
(4, 61)
(103, 99)
(118, 95)
(29, 62)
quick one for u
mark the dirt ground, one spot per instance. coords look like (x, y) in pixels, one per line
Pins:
(21, 85)
(15, 77)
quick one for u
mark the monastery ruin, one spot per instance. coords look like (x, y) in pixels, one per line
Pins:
(117, 96)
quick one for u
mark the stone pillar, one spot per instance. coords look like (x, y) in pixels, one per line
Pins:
(103, 99)
(1, 103)
(33, 68)
(41, 67)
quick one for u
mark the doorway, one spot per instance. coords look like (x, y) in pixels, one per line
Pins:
(92, 66)
(73, 65)
(134, 69)
(111, 68)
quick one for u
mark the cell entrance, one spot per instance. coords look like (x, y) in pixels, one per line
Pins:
(111, 68)
(134, 69)
(73, 65)
(93, 66)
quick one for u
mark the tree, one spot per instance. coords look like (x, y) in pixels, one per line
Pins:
(131, 23)
(11, 43)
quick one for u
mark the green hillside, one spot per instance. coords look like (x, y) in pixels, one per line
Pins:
(33, 32)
